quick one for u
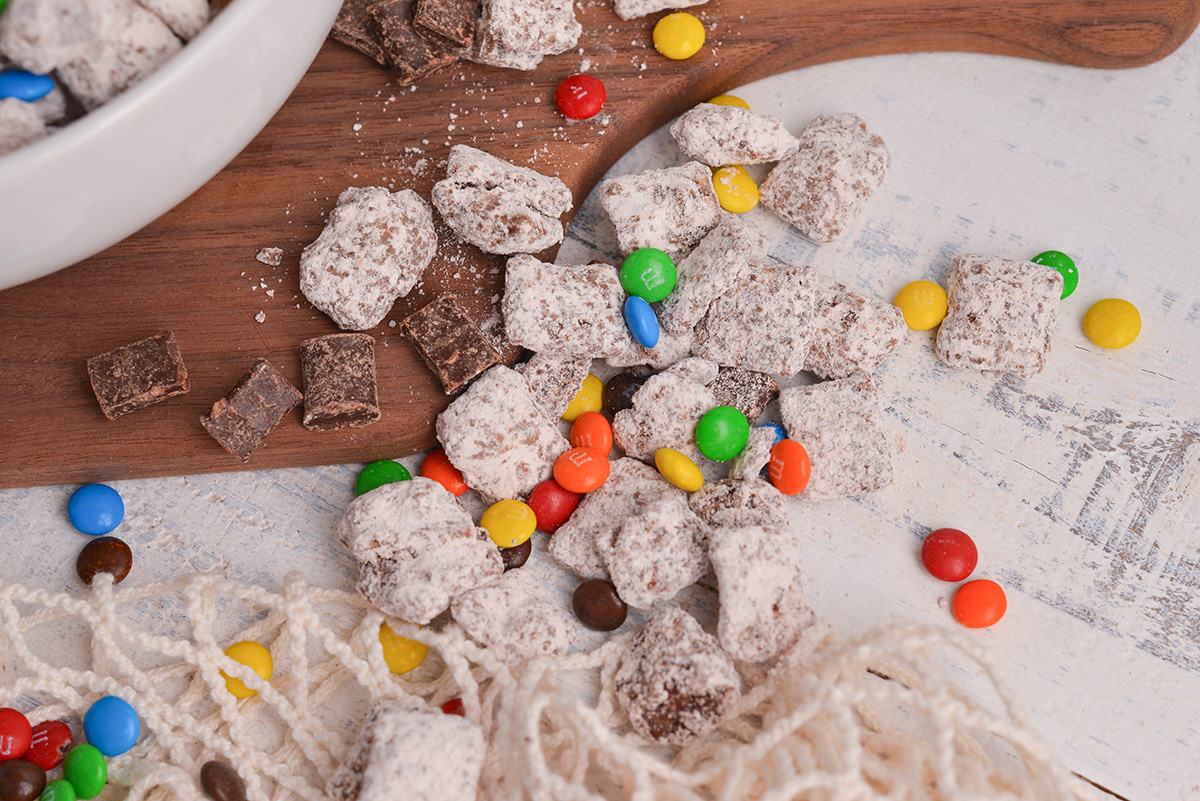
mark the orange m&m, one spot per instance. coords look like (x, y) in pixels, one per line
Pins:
(438, 468)
(979, 604)
(591, 430)
(789, 468)
(581, 469)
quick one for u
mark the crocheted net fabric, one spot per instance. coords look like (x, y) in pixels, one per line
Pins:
(871, 718)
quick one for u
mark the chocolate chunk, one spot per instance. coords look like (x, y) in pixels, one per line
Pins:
(453, 20)
(450, 342)
(104, 555)
(411, 56)
(353, 28)
(241, 420)
(745, 390)
(339, 381)
(134, 376)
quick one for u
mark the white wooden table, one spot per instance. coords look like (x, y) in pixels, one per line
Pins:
(1081, 486)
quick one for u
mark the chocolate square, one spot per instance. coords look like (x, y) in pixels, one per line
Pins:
(450, 342)
(135, 376)
(353, 28)
(745, 390)
(453, 20)
(241, 420)
(339, 381)
(411, 56)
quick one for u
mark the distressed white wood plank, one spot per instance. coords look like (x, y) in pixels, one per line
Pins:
(1081, 485)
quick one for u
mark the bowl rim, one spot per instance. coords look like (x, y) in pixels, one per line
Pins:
(141, 93)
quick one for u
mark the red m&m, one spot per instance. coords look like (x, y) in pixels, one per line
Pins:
(580, 97)
(15, 734)
(552, 505)
(949, 554)
(49, 744)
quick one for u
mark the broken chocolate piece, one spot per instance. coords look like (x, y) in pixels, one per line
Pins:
(339, 381)
(411, 56)
(453, 20)
(745, 390)
(450, 342)
(353, 28)
(241, 420)
(135, 376)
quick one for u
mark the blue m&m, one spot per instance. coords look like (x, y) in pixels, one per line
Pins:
(642, 322)
(112, 725)
(24, 85)
(95, 509)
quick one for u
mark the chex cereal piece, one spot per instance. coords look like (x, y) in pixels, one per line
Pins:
(763, 610)
(657, 553)
(416, 548)
(450, 342)
(765, 325)
(823, 187)
(1002, 315)
(837, 422)
(185, 17)
(498, 437)
(669, 209)
(515, 618)
(373, 250)
(432, 756)
(745, 390)
(721, 135)
(631, 487)
(733, 504)
(241, 420)
(665, 411)
(554, 381)
(564, 309)
(452, 21)
(717, 267)
(410, 55)
(499, 207)
(339, 381)
(42, 35)
(353, 28)
(20, 125)
(520, 32)
(675, 682)
(756, 455)
(671, 348)
(851, 332)
(135, 376)
(129, 44)
(631, 9)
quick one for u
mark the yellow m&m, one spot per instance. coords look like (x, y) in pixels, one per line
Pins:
(728, 100)
(509, 523)
(589, 398)
(678, 36)
(923, 304)
(254, 656)
(736, 190)
(1112, 323)
(677, 468)
(401, 653)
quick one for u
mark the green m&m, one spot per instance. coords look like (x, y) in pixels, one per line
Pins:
(376, 474)
(58, 790)
(722, 433)
(649, 274)
(86, 770)
(1065, 266)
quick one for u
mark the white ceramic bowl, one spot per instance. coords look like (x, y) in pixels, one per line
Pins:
(108, 174)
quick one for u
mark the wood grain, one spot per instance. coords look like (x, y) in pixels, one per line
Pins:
(193, 271)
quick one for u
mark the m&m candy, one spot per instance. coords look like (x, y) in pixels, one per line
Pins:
(509, 523)
(21, 780)
(979, 604)
(376, 474)
(642, 322)
(23, 85)
(254, 656)
(736, 190)
(95, 509)
(401, 653)
(591, 430)
(789, 468)
(1112, 323)
(1065, 266)
(49, 744)
(923, 304)
(589, 398)
(58, 790)
(580, 97)
(619, 391)
(581, 469)
(112, 725)
(15, 734)
(552, 505)
(437, 467)
(677, 468)
(649, 274)
(722, 433)
(678, 36)
(86, 770)
(949, 554)
(728, 100)
(454, 706)
(780, 434)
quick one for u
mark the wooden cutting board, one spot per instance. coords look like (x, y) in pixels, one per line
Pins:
(193, 271)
